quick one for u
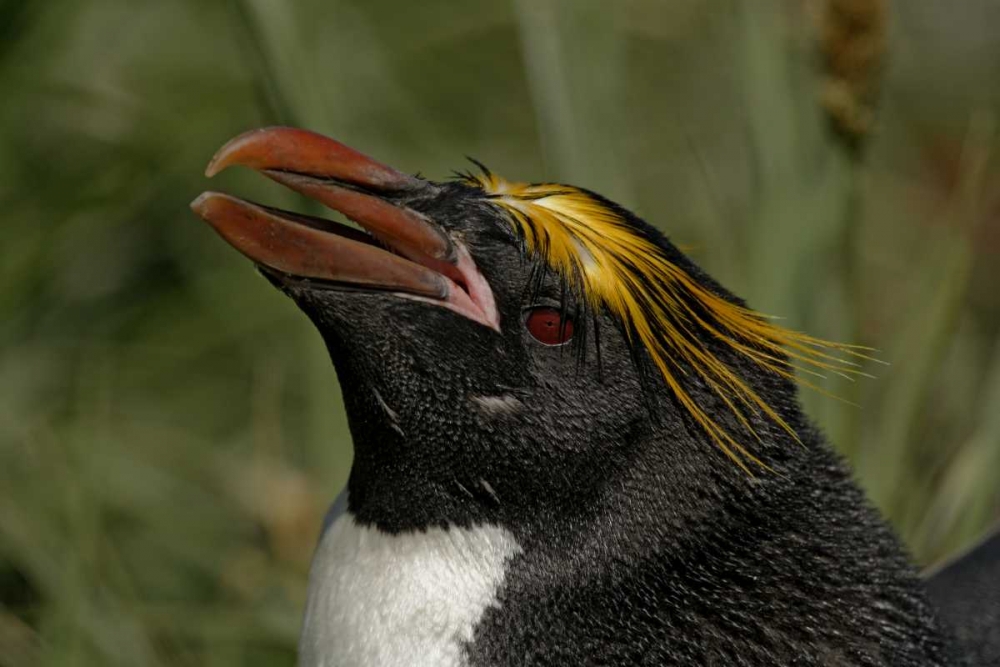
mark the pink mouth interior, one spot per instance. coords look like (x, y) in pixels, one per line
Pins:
(469, 294)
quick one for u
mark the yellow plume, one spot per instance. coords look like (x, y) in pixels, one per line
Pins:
(615, 266)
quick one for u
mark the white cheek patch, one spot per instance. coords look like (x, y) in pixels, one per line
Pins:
(410, 600)
(497, 405)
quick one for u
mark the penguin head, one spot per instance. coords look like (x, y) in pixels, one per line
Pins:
(508, 351)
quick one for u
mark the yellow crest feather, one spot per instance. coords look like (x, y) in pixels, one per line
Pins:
(618, 268)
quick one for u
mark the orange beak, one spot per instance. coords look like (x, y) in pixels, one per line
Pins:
(402, 252)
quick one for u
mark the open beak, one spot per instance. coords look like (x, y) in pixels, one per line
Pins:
(400, 250)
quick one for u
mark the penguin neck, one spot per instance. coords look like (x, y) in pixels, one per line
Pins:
(671, 490)
(666, 476)
(398, 499)
(398, 484)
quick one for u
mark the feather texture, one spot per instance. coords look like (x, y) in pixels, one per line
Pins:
(614, 264)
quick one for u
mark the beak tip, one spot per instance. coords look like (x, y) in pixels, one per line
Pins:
(222, 159)
(202, 205)
(235, 151)
(198, 203)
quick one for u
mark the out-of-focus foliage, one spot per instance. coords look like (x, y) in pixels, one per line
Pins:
(170, 429)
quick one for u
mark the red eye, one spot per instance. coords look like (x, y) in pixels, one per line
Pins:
(548, 326)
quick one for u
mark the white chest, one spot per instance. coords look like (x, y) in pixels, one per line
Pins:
(408, 600)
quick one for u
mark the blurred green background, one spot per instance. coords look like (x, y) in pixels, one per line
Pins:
(170, 428)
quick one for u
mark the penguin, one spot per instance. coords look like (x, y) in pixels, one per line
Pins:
(966, 590)
(572, 445)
